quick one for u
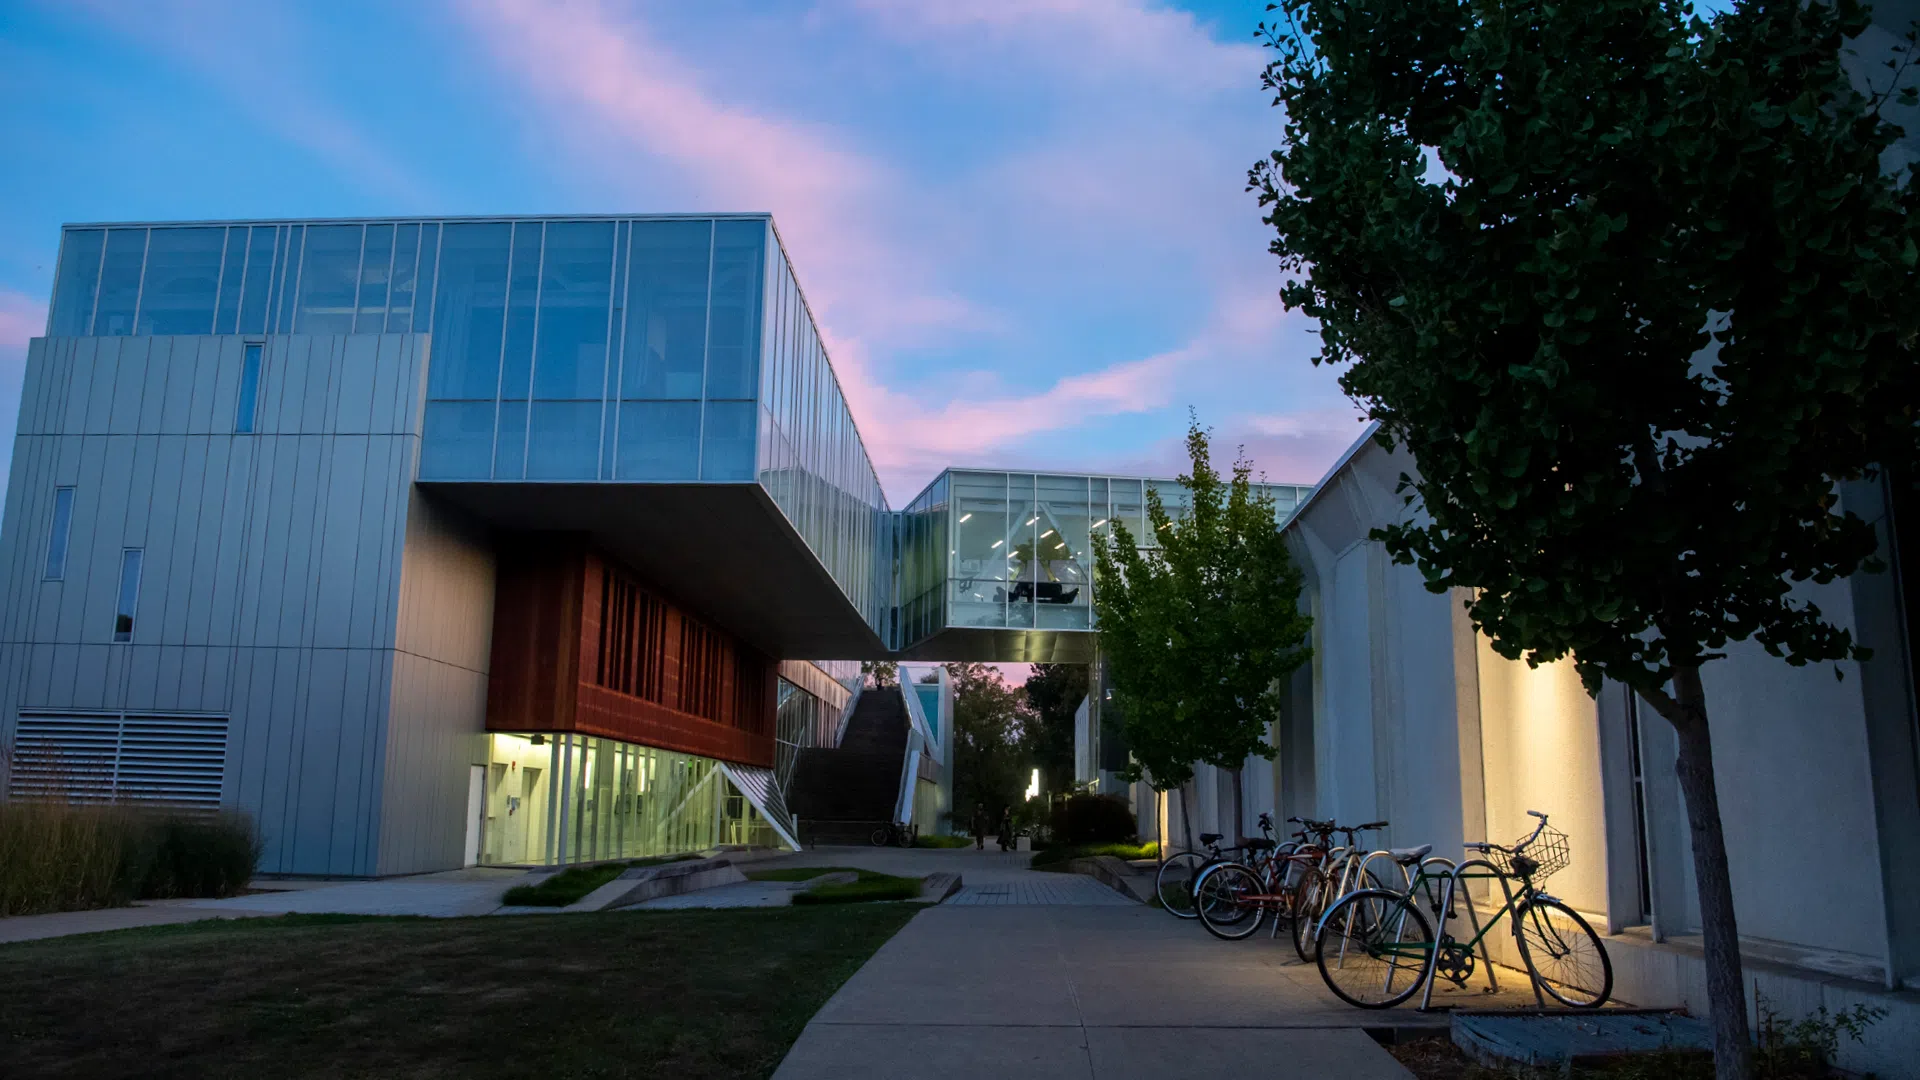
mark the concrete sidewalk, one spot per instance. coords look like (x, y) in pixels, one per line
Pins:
(1090, 991)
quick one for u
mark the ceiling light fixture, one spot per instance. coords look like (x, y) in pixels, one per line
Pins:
(997, 543)
(1046, 534)
(964, 517)
(1099, 523)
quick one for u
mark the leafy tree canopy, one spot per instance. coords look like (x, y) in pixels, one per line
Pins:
(1631, 287)
(1200, 629)
(990, 720)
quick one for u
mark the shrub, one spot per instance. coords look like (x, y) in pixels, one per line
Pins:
(201, 855)
(1093, 819)
(63, 856)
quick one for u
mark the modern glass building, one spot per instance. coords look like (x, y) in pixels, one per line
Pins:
(527, 539)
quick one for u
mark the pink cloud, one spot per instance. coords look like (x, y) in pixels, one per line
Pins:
(21, 317)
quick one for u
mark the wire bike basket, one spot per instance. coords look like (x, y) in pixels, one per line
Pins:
(1546, 856)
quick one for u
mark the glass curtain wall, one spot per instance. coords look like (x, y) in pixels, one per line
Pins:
(558, 799)
(811, 460)
(596, 350)
(275, 278)
(1021, 554)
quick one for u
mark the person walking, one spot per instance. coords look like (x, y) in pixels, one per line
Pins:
(1006, 828)
(979, 827)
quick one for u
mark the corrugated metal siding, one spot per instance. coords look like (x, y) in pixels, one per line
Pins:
(272, 568)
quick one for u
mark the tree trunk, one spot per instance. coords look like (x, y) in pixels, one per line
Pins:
(1186, 819)
(1239, 806)
(1726, 993)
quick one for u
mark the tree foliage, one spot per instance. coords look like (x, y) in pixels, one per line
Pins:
(1054, 693)
(1200, 629)
(1633, 289)
(990, 720)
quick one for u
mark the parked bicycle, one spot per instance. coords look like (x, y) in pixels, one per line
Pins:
(1178, 875)
(1293, 886)
(1376, 947)
(895, 834)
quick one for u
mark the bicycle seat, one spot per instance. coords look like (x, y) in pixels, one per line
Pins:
(1410, 856)
(1259, 844)
(1209, 837)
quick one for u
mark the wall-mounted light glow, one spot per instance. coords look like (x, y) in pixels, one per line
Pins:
(964, 517)
(1033, 788)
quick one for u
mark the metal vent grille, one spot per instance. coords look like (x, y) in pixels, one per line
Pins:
(136, 757)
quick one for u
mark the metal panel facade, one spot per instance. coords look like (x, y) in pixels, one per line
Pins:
(271, 572)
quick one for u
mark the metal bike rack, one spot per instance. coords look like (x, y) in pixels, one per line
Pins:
(1453, 887)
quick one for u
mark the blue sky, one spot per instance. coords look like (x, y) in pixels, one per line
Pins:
(1022, 225)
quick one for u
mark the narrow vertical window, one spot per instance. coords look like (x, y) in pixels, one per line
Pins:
(249, 391)
(57, 537)
(129, 594)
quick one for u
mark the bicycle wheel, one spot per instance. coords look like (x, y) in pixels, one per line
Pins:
(1373, 947)
(1309, 900)
(1223, 905)
(881, 836)
(1174, 883)
(1564, 955)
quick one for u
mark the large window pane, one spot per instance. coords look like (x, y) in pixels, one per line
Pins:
(979, 551)
(510, 444)
(575, 291)
(733, 344)
(182, 283)
(232, 271)
(470, 306)
(728, 450)
(458, 443)
(79, 274)
(374, 280)
(659, 440)
(120, 282)
(256, 295)
(406, 249)
(666, 339)
(1063, 549)
(329, 280)
(565, 441)
(286, 286)
(523, 292)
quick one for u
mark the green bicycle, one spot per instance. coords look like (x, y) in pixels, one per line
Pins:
(1376, 947)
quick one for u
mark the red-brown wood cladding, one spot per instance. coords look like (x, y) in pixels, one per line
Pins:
(580, 644)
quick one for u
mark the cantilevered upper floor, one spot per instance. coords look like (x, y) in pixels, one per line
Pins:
(656, 382)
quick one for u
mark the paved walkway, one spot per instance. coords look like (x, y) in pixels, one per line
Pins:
(1084, 991)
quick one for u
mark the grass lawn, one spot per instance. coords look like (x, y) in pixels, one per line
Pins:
(1056, 858)
(938, 841)
(684, 994)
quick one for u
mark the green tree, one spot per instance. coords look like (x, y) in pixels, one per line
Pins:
(990, 719)
(880, 672)
(1054, 693)
(1201, 631)
(1632, 288)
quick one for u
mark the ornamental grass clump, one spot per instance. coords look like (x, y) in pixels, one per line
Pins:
(67, 856)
